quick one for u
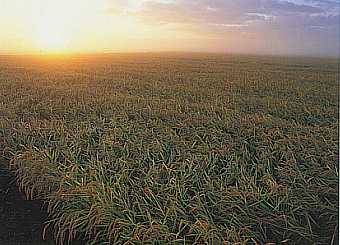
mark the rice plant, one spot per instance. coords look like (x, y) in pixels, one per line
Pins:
(176, 149)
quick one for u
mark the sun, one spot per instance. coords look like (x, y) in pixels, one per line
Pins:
(53, 26)
(51, 35)
(72, 26)
(51, 40)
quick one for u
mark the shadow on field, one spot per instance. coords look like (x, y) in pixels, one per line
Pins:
(21, 221)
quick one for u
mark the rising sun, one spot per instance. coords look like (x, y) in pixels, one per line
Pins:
(51, 39)
(53, 26)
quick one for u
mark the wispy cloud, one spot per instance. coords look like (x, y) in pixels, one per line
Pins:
(231, 12)
(306, 23)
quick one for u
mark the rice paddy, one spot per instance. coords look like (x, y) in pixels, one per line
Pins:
(175, 148)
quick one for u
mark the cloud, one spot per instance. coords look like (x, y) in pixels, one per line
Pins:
(317, 20)
(225, 12)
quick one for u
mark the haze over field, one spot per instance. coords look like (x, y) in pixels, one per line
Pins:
(292, 27)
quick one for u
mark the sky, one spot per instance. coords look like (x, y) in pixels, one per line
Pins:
(283, 27)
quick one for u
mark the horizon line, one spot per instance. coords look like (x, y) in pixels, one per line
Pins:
(41, 54)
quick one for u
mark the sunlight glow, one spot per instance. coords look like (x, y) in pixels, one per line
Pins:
(50, 39)
(72, 26)
(55, 23)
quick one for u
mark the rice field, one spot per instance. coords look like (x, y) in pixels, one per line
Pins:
(175, 148)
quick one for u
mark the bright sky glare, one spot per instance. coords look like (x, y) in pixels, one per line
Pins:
(301, 27)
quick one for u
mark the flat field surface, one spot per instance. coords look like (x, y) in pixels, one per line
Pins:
(175, 148)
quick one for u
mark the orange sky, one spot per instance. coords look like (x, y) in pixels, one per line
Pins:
(243, 26)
